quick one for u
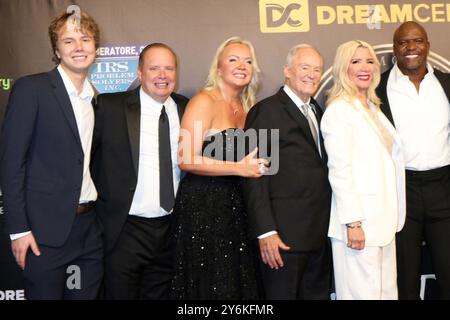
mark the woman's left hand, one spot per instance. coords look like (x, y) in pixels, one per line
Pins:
(356, 238)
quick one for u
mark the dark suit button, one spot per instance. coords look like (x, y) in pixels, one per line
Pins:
(132, 189)
(80, 162)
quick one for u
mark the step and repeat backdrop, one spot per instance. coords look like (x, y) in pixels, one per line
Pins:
(194, 29)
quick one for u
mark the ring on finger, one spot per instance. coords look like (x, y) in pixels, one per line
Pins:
(262, 167)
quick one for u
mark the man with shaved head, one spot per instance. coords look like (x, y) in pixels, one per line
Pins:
(415, 98)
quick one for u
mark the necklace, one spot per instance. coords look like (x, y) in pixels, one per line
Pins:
(235, 108)
(234, 105)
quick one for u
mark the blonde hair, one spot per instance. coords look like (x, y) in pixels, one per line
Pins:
(248, 94)
(343, 87)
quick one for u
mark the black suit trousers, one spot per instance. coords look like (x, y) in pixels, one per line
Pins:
(428, 218)
(140, 266)
(304, 276)
(73, 271)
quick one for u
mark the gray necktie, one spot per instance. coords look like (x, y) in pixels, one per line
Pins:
(305, 109)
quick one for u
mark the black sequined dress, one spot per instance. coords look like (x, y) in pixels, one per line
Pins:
(214, 258)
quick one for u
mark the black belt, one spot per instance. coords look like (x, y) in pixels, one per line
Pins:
(85, 207)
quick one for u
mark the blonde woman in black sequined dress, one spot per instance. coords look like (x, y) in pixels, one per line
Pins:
(214, 257)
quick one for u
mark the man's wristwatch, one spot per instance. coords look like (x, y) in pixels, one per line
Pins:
(353, 225)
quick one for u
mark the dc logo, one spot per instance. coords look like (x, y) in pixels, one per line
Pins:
(271, 8)
(284, 16)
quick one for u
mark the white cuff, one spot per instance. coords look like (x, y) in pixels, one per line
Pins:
(267, 234)
(16, 236)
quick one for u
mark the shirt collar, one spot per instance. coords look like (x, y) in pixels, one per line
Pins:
(399, 76)
(87, 93)
(147, 100)
(298, 102)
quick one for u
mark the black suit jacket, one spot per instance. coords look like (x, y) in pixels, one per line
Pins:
(444, 79)
(295, 202)
(41, 159)
(115, 158)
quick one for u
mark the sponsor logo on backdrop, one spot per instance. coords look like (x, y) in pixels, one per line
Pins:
(5, 84)
(115, 68)
(284, 16)
(294, 16)
(385, 55)
(12, 294)
(392, 13)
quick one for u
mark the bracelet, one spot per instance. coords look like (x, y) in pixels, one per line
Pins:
(354, 225)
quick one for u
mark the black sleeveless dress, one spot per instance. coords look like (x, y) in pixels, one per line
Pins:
(214, 257)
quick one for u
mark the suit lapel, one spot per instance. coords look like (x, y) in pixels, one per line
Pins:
(388, 125)
(374, 127)
(60, 92)
(297, 116)
(319, 114)
(382, 94)
(133, 116)
(444, 79)
(180, 110)
(367, 117)
(181, 104)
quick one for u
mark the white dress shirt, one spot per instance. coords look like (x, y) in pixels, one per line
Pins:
(84, 117)
(421, 118)
(146, 197)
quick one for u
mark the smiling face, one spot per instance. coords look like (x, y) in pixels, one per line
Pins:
(360, 70)
(235, 65)
(158, 73)
(75, 49)
(411, 48)
(304, 72)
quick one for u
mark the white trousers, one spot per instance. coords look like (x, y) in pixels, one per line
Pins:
(368, 274)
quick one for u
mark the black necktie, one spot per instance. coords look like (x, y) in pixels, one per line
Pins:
(166, 195)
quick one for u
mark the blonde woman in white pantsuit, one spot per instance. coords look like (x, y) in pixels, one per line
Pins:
(366, 173)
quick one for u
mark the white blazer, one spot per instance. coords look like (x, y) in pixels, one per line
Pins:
(368, 183)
